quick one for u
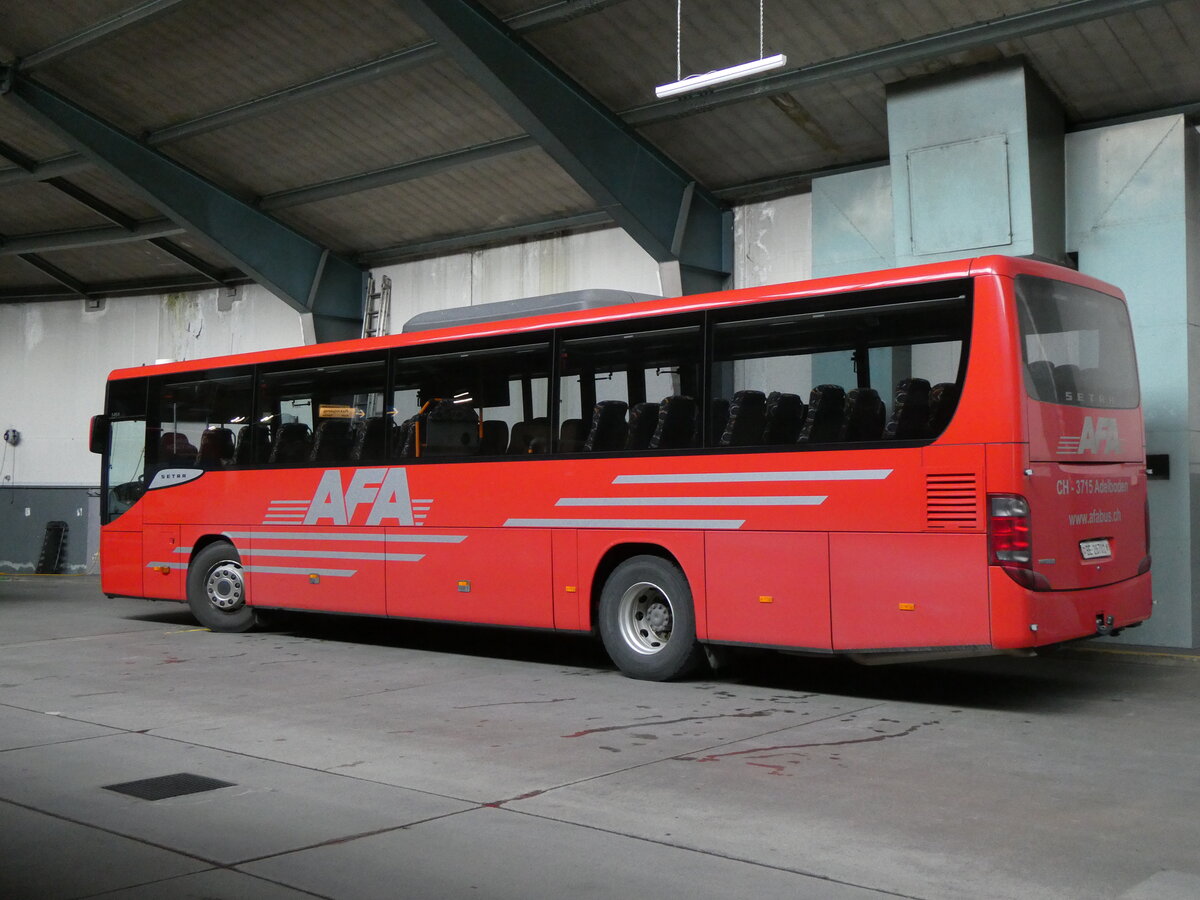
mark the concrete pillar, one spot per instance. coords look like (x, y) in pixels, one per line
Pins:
(976, 166)
(852, 222)
(1132, 217)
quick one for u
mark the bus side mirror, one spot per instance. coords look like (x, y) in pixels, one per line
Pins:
(98, 437)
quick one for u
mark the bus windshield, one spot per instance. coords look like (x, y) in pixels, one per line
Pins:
(1076, 344)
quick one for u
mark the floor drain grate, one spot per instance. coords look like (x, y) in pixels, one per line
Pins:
(165, 786)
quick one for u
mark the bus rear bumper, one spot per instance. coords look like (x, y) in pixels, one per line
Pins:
(1024, 618)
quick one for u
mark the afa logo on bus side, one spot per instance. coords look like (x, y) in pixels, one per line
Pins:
(386, 490)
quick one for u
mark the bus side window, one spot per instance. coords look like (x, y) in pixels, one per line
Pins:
(623, 392)
(197, 419)
(475, 400)
(321, 413)
(855, 362)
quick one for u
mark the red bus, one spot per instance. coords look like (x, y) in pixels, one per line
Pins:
(935, 461)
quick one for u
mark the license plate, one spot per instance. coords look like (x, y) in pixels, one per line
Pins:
(1095, 549)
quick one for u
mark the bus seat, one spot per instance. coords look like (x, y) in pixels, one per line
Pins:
(676, 426)
(1091, 381)
(333, 441)
(1068, 380)
(174, 449)
(718, 416)
(530, 437)
(910, 412)
(1041, 373)
(518, 438)
(449, 429)
(826, 411)
(370, 438)
(216, 449)
(865, 416)
(403, 446)
(643, 420)
(571, 436)
(539, 435)
(784, 418)
(293, 444)
(747, 416)
(494, 441)
(243, 453)
(943, 398)
(608, 429)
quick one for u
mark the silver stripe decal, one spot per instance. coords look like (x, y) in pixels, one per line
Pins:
(286, 570)
(338, 536)
(290, 502)
(337, 554)
(751, 477)
(815, 500)
(625, 523)
(169, 565)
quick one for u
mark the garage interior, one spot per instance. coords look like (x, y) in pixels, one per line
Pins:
(188, 178)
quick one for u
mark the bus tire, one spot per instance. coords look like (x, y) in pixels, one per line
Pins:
(216, 591)
(647, 620)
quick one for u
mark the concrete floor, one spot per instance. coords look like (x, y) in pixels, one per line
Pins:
(386, 759)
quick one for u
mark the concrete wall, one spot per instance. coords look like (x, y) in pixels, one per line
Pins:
(54, 358)
(1132, 218)
(24, 514)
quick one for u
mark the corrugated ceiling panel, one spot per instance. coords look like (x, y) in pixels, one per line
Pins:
(108, 189)
(1136, 61)
(514, 190)
(15, 272)
(200, 248)
(26, 136)
(116, 262)
(506, 8)
(32, 207)
(208, 54)
(623, 52)
(43, 24)
(769, 137)
(356, 130)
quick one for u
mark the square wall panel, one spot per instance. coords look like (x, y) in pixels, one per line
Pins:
(959, 196)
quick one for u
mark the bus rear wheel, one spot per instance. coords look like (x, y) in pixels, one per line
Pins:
(647, 620)
(216, 591)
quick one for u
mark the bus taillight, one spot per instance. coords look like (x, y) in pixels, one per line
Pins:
(1010, 541)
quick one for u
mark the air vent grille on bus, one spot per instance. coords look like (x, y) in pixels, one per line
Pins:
(951, 501)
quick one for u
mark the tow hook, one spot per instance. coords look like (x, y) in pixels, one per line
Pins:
(1103, 624)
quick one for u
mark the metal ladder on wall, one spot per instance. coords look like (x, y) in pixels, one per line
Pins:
(378, 307)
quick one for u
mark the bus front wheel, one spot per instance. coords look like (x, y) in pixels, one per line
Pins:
(647, 620)
(216, 591)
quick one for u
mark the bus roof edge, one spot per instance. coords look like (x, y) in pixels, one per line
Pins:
(567, 301)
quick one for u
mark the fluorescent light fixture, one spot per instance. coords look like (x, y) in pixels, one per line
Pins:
(720, 76)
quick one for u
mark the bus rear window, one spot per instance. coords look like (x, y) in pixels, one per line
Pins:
(1077, 345)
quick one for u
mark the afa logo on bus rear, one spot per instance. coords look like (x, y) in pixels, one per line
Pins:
(1099, 436)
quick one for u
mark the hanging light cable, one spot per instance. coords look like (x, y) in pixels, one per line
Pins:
(692, 83)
